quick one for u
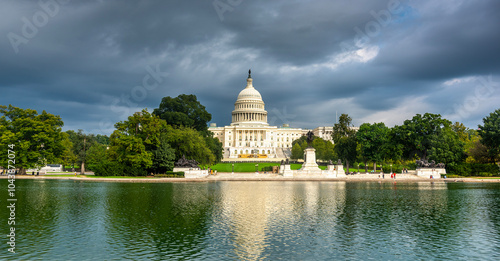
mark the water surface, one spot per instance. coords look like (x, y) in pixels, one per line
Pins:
(76, 220)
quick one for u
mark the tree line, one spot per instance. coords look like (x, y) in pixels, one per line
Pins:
(150, 142)
(427, 137)
(147, 142)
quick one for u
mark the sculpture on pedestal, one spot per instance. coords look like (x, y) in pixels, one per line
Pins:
(427, 164)
(185, 163)
(310, 138)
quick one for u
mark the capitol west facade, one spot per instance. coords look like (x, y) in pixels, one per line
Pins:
(249, 137)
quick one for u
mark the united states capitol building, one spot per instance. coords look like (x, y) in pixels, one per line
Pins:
(249, 137)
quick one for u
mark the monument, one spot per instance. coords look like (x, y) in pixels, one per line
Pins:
(430, 170)
(285, 169)
(190, 168)
(310, 164)
(310, 167)
(336, 169)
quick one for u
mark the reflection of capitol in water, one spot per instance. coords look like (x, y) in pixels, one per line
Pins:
(250, 215)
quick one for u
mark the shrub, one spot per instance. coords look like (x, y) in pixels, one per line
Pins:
(412, 165)
(395, 168)
(473, 169)
(171, 174)
(110, 168)
(267, 168)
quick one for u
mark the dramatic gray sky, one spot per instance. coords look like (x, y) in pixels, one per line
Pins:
(96, 62)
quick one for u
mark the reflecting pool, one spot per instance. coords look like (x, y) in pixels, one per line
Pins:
(64, 220)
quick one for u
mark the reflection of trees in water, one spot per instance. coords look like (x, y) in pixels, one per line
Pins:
(49, 212)
(256, 220)
(388, 213)
(37, 209)
(168, 219)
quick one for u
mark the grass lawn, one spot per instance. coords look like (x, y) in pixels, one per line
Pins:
(240, 166)
(92, 176)
(250, 167)
(118, 177)
(69, 175)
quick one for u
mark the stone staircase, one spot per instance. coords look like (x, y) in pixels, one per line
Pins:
(280, 154)
(287, 153)
(283, 153)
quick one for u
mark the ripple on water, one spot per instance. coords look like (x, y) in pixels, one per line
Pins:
(257, 220)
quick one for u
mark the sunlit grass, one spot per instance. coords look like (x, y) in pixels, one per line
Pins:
(250, 166)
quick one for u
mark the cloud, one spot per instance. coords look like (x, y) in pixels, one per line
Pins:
(305, 57)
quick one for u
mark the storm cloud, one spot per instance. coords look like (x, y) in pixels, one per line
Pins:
(96, 62)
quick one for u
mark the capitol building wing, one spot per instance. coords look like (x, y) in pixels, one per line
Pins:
(249, 137)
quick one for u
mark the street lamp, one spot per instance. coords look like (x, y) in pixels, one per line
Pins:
(233, 168)
(391, 168)
(358, 168)
(256, 168)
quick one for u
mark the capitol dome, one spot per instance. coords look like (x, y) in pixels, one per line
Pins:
(249, 107)
(249, 93)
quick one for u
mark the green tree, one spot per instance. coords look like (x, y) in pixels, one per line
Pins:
(95, 154)
(324, 149)
(373, 140)
(184, 110)
(476, 151)
(462, 132)
(130, 151)
(416, 135)
(81, 143)
(329, 151)
(67, 157)
(319, 145)
(163, 157)
(345, 139)
(37, 138)
(446, 147)
(133, 142)
(191, 144)
(343, 128)
(215, 146)
(102, 139)
(490, 134)
(297, 152)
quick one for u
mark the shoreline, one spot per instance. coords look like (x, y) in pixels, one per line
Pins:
(260, 177)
